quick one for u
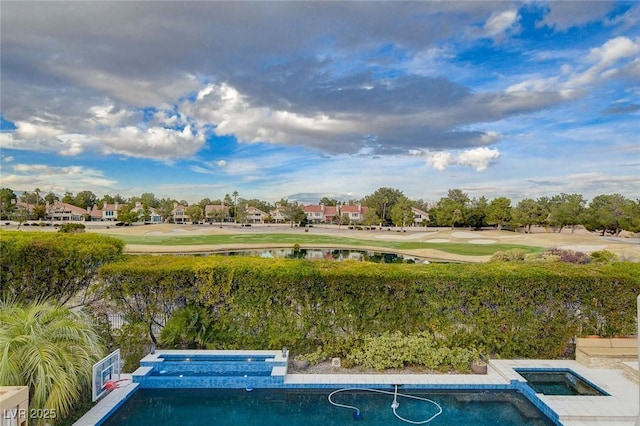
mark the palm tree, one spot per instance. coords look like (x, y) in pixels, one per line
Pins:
(50, 349)
(235, 205)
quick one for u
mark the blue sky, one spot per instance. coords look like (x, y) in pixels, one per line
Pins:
(304, 99)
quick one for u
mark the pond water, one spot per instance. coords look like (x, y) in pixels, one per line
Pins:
(328, 254)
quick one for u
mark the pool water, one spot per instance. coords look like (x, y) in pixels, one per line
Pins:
(277, 407)
(559, 382)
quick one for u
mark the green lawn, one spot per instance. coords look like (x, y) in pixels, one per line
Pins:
(329, 241)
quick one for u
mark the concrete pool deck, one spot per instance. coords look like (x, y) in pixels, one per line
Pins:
(620, 408)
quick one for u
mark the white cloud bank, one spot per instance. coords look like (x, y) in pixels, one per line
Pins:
(478, 158)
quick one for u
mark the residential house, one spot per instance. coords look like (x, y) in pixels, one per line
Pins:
(255, 215)
(66, 212)
(154, 216)
(355, 213)
(315, 213)
(419, 216)
(327, 214)
(179, 213)
(212, 213)
(277, 214)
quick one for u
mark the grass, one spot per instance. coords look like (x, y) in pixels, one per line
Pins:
(454, 248)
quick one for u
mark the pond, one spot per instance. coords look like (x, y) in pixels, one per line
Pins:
(328, 254)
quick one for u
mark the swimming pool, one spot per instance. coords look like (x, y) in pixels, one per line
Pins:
(304, 407)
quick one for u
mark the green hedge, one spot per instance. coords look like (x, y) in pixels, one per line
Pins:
(41, 265)
(507, 310)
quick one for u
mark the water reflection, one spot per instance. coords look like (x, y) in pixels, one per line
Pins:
(328, 254)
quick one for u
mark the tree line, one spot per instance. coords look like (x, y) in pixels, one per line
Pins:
(606, 213)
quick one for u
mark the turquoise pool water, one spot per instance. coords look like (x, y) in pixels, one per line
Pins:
(278, 407)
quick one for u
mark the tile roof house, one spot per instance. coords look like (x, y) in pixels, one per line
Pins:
(108, 213)
(179, 213)
(255, 215)
(212, 213)
(278, 215)
(326, 214)
(355, 213)
(66, 212)
(419, 216)
(154, 216)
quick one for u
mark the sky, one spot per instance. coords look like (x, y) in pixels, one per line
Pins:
(301, 100)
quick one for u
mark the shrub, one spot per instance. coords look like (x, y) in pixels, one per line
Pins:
(38, 265)
(509, 310)
(603, 256)
(394, 350)
(512, 255)
(70, 228)
(570, 256)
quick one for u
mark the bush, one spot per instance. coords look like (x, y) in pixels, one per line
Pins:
(570, 256)
(39, 265)
(71, 228)
(393, 350)
(603, 256)
(513, 255)
(511, 310)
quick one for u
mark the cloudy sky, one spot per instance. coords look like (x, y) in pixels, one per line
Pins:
(304, 99)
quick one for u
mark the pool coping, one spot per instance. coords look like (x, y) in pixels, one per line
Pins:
(619, 408)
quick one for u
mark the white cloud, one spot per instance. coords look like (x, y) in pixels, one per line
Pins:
(156, 142)
(440, 160)
(478, 158)
(603, 62)
(500, 23)
(221, 163)
(55, 179)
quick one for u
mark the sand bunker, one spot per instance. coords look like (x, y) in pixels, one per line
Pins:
(464, 234)
(481, 241)
(412, 236)
(585, 248)
(437, 240)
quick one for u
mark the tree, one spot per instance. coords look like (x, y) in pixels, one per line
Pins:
(20, 215)
(477, 213)
(149, 199)
(128, 216)
(293, 212)
(217, 215)
(631, 219)
(145, 214)
(84, 199)
(328, 202)
(609, 213)
(7, 202)
(195, 213)
(39, 212)
(401, 213)
(235, 198)
(204, 203)
(165, 209)
(383, 200)
(51, 198)
(371, 217)
(499, 212)
(452, 209)
(50, 349)
(67, 198)
(566, 210)
(529, 212)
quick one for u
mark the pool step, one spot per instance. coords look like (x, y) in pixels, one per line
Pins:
(631, 371)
